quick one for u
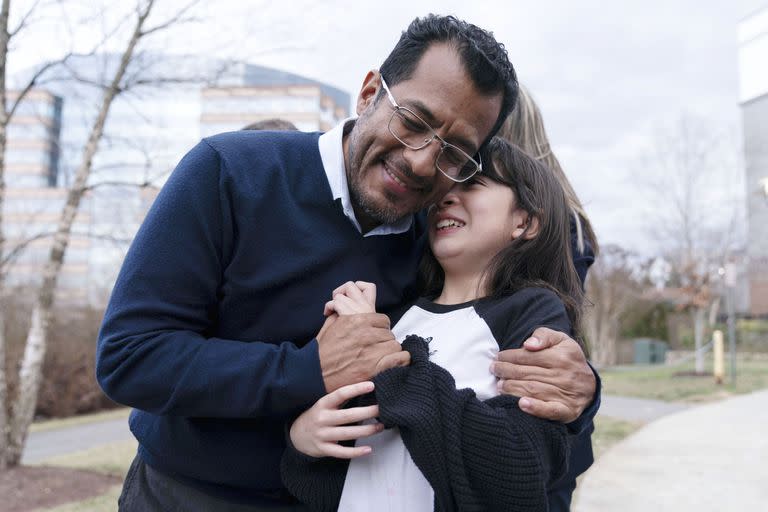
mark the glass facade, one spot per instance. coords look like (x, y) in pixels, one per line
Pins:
(144, 139)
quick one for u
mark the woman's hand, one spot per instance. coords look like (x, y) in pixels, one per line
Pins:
(352, 298)
(319, 429)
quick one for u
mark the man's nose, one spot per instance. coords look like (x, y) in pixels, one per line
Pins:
(422, 161)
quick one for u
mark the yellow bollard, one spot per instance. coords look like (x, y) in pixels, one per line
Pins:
(719, 352)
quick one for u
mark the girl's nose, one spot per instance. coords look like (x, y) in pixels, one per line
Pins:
(448, 199)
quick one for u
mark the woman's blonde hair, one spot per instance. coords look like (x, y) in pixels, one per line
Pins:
(525, 128)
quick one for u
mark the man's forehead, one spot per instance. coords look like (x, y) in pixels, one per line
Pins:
(441, 86)
(461, 117)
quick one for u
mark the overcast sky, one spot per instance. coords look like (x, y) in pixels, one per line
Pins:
(607, 75)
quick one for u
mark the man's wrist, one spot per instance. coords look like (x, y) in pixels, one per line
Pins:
(584, 421)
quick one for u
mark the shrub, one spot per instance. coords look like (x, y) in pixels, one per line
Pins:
(69, 384)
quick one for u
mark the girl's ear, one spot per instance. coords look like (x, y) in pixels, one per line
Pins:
(527, 226)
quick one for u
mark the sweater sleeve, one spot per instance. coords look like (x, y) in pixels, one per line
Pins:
(582, 259)
(476, 455)
(524, 312)
(157, 349)
(316, 482)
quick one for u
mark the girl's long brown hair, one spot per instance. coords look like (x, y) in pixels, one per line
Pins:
(542, 261)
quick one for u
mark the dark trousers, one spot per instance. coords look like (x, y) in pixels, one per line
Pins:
(148, 490)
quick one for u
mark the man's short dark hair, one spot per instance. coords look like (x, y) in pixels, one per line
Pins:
(485, 59)
(274, 124)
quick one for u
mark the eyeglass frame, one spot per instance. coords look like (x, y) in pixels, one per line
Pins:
(427, 142)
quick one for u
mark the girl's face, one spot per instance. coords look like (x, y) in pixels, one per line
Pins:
(473, 222)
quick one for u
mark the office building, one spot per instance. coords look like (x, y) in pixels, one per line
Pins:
(753, 96)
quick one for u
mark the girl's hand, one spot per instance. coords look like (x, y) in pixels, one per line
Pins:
(352, 298)
(319, 429)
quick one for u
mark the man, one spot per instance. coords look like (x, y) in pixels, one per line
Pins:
(215, 331)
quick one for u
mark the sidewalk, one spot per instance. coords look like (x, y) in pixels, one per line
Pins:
(42, 445)
(707, 458)
(637, 409)
(49, 443)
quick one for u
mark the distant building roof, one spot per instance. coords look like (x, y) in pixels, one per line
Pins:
(199, 71)
(261, 75)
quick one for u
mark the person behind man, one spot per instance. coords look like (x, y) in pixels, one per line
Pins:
(525, 127)
(214, 333)
(271, 124)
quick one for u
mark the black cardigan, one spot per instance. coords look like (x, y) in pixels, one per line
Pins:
(477, 455)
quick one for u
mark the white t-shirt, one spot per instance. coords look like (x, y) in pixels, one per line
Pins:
(462, 343)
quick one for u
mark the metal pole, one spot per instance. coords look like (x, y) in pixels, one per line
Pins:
(730, 285)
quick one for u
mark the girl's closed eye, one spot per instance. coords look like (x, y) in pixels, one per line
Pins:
(474, 181)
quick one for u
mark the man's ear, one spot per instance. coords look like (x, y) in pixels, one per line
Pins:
(368, 92)
(527, 226)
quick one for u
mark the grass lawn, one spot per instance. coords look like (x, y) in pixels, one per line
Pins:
(113, 459)
(676, 384)
(53, 424)
(103, 503)
(609, 431)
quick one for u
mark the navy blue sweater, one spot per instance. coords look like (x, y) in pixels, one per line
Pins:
(209, 333)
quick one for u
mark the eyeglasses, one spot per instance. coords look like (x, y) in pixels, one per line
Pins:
(414, 133)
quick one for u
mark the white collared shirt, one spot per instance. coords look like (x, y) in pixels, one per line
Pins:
(332, 155)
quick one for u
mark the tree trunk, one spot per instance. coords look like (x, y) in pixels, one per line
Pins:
(699, 319)
(4, 426)
(603, 329)
(30, 373)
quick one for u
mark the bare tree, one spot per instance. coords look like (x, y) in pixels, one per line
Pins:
(689, 170)
(612, 288)
(7, 111)
(123, 78)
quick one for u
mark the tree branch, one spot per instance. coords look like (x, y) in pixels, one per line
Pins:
(178, 18)
(33, 81)
(23, 20)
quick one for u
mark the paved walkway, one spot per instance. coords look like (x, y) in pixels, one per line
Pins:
(49, 443)
(637, 409)
(42, 445)
(710, 457)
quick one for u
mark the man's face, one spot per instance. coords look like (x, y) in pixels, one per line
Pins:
(388, 181)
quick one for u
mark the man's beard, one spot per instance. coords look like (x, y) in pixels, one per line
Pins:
(369, 208)
(361, 202)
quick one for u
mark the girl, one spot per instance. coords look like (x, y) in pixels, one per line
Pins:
(498, 267)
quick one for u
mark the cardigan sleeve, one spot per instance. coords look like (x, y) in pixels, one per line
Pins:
(157, 350)
(476, 455)
(316, 482)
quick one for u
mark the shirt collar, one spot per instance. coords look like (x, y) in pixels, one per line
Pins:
(332, 155)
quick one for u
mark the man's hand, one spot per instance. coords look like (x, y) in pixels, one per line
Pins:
(550, 374)
(354, 348)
